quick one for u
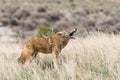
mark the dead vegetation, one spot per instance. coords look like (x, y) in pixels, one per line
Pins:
(93, 57)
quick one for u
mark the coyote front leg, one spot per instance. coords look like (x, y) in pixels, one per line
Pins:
(55, 54)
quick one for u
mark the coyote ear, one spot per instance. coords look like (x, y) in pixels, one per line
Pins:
(59, 33)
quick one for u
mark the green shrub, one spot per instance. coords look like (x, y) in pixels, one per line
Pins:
(44, 31)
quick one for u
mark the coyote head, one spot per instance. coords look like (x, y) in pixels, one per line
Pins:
(68, 33)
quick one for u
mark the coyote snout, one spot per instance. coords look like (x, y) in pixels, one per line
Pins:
(53, 44)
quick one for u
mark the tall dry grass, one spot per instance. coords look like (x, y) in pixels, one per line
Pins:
(95, 57)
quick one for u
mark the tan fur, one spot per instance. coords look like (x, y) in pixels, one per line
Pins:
(50, 45)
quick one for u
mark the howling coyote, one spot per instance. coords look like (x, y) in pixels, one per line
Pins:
(49, 45)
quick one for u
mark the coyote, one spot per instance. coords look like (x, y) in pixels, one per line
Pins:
(47, 45)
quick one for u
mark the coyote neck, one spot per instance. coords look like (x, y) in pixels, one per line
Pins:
(60, 41)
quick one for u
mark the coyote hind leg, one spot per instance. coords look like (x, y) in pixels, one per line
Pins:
(34, 54)
(26, 56)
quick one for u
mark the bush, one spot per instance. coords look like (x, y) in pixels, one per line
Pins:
(44, 31)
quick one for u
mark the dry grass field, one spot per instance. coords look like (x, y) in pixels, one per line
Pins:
(96, 57)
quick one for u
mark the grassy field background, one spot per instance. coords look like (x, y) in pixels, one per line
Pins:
(63, 4)
(96, 57)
